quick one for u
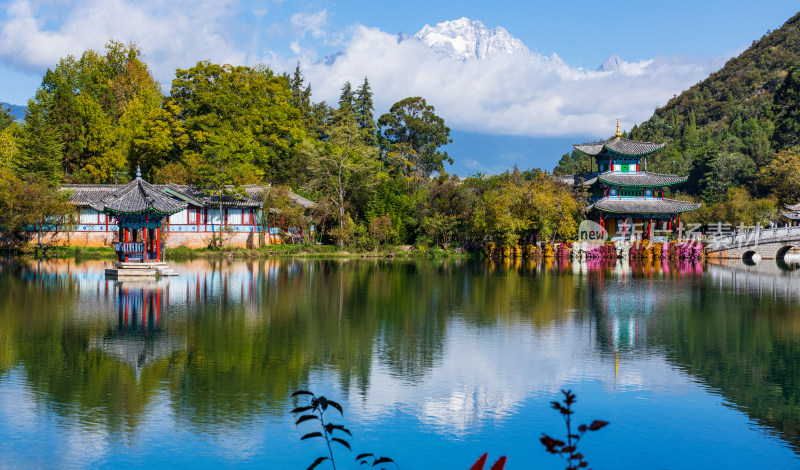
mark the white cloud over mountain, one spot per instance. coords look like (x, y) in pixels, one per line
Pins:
(478, 79)
(515, 92)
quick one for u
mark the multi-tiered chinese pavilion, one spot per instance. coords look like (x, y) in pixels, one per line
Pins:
(625, 196)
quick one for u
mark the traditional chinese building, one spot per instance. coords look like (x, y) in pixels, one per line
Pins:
(791, 214)
(625, 196)
(198, 220)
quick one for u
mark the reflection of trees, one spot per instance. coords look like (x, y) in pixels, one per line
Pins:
(247, 334)
(44, 341)
(758, 371)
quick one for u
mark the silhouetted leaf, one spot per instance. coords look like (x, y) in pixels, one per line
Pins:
(582, 428)
(317, 462)
(342, 428)
(301, 409)
(500, 464)
(362, 456)
(342, 442)
(597, 424)
(311, 434)
(305, 418)
(381, 460)
(583, 464)
(337, 406)
(568, 449)
(578, 456)
(323, 403)
(478, 465)
(302, 392)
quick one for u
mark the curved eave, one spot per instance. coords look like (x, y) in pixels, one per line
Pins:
(791, 215)
(657, 180)
(614, 205)
(619, 146)
(144, 212)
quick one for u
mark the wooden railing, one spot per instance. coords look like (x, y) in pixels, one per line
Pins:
(128, 247)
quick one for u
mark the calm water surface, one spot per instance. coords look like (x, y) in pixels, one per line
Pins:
(434, 363)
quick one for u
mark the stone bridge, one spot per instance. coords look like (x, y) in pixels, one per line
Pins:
(775, 243)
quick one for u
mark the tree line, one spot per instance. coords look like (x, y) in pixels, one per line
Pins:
(95, 118)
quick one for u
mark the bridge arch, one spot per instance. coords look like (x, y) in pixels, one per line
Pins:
(751, 257)
(787, 249)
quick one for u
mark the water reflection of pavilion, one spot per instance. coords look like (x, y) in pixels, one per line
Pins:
(139, 339)
(625, 294)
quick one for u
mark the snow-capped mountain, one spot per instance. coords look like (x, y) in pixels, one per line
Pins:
(611, 64)
(465, 39)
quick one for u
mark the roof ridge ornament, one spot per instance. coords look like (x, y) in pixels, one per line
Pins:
(618, 133)
(139, 170)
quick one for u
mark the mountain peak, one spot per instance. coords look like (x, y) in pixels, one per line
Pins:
(614, 62)
(465, 39)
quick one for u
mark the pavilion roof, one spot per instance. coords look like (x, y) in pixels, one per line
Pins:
(620, 146)
(643, 206)
(793, 207)
(252, 197)
(584, 179)
(93, 195)
(641, 179)
(139, 197)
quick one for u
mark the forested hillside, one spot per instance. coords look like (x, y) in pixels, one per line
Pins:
(738, 128)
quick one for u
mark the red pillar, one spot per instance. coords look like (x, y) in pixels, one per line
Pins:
(624, 223)
(158, 244)
(127, 238)
(144, 244)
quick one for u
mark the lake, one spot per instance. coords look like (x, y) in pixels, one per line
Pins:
(434, 363)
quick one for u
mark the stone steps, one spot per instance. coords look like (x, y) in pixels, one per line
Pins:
(150, 269)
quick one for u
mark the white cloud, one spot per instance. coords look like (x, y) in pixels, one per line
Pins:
(517, 94)
(310, 22)
(171, 34)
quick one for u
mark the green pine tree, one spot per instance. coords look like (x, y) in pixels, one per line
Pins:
(346, 99)
(41, 151)
(364, 112)
(6, 119)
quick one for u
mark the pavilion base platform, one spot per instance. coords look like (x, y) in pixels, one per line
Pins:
(138, 270)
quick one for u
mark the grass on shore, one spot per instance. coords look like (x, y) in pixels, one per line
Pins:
(281, 251)
(316, 251)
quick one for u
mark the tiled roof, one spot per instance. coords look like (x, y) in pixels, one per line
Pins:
(139, 196)
(253, 197)
(91, 195)
(643, 206)
(794, 207)
(620, 146)
(640, 179)
(586, 179)
(791, 215)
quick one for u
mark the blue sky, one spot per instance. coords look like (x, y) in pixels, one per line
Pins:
(552, 93)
